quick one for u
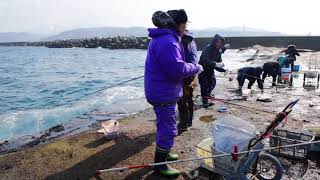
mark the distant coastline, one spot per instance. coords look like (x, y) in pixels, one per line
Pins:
(303, 42)
(110, 43)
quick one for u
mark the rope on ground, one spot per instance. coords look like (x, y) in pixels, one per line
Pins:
(247, 107)
(98, 172)
(226, 101)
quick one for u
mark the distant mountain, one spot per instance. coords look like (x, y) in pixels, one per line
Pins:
(130, 31)
(100, 32)
(142, 32)
(20, 37)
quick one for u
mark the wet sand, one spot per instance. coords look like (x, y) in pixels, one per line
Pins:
(79, 156)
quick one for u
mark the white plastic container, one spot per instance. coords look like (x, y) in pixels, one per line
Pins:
(286, 70)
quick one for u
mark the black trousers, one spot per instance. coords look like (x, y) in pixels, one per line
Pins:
(241, 78)
(273, 74)
(186, 103)
(207, 84)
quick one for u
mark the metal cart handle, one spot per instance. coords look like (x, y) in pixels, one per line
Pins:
(275, 122)
(288, 109)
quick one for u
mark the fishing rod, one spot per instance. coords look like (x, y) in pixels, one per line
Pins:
(99, 172)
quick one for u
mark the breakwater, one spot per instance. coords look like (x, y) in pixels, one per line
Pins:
(110, 43)
(302, 42)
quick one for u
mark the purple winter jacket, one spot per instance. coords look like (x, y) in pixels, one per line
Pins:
(165, 67)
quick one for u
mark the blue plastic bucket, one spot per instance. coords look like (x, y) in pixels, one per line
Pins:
(296, 68)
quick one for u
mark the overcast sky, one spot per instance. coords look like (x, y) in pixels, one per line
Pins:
(291, 17)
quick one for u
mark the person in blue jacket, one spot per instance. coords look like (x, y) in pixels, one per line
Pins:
(165, 68)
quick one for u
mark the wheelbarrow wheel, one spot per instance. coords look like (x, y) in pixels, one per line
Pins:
(268, 167)
(304, 80)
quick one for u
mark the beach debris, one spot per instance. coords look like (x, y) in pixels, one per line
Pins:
(57, 128)
(264, 98)
(305, 50)
(208, 118)
(253, 57)
(195, 174)
(313, 129)
(6, 166)
(313, 104)
(110, 129)
(314, 152)
(245, 93)
(222, 109)
(230, 78)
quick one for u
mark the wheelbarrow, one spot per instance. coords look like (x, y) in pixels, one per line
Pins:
(245, 166)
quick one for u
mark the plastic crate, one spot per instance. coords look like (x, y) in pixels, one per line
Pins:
(285, 137)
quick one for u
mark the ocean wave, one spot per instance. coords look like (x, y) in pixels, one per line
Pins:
(24, 122)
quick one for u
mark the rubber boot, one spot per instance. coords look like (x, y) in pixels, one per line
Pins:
(211, 103)
(172, 157)
(183, 126)
(240, 90)
(165, 170)
(190, 118)
(183, 114)
(205, 103)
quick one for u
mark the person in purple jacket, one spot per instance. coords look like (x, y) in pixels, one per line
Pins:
(165, 68)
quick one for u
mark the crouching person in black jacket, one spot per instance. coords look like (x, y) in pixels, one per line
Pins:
(271, 68)
(252, 74)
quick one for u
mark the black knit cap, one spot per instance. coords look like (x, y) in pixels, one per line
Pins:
(163, 20)
(179, 16)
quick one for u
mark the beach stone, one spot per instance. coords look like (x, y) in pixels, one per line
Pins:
(57, 128)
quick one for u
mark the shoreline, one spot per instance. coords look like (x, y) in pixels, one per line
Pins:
(81, 154)
(55, 133)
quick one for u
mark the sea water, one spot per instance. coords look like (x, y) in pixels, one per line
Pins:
(42, 87)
